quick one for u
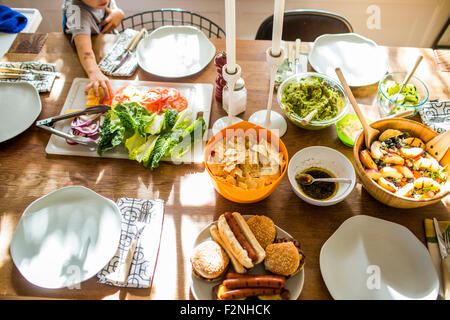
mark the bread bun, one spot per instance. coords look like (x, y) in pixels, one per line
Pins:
(209, 261)
(239, 268)
(233, 241)
(282, 258)
(264, 230)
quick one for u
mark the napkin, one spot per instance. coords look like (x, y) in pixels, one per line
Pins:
(111, 60)
(42, 80)
(443, 59)
(11, 21)
(146, 254)
(433, 248)
(436, 115)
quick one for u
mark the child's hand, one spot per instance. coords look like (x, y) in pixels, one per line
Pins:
(112, 20)
(98, 79)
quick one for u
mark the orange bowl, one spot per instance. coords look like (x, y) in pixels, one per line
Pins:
(231, 192)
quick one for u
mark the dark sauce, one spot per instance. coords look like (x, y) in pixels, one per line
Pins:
(319, 190)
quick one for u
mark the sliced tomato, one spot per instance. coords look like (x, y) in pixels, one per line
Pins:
(152, 101)
(172, 95)
(127, 93)
(180, 104)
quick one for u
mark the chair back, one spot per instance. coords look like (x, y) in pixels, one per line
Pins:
(306, 25)
(174, 17)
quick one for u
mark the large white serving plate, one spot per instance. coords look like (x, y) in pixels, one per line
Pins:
(202, 290)
(373, 259)
(361, 60)
(175, 51)
(198, 95)
(20, 107)
(66, 237)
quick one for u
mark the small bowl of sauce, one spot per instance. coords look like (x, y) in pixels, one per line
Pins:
(318, 190)
(321, 162)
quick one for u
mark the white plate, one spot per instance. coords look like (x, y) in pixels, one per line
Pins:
(175, 51)
(361, 60)
(202, 290)
(66, 237)
(21, 105)
(372, 259)
(198, 95)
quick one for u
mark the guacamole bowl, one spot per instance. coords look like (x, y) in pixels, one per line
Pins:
(301, 93)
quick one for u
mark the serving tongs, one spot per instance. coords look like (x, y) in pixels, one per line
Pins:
(46, 124)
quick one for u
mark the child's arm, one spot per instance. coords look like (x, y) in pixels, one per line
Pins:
(87, 59)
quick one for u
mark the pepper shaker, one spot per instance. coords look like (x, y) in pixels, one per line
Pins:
(220, 60)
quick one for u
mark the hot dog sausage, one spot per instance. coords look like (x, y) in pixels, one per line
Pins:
(266, 281)
(248, 292)
(240, 236)
(232, 275)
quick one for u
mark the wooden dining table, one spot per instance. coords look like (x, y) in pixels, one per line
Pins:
(27, 173)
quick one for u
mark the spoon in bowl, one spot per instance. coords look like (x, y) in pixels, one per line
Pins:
(370, 134)
(308, 117)
(407, 78)
(307, 179)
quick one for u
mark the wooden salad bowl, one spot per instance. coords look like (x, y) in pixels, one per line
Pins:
(417, 130)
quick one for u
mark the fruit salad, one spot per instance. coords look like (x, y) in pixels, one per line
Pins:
(398, 163)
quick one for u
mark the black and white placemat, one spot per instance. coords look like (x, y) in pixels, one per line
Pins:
(146, 254)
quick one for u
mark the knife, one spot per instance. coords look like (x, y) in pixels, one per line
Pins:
(131, 46)
(444, 260)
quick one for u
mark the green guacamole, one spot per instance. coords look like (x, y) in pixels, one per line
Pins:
(305, 95)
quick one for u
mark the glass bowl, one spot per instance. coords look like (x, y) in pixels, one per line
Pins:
(388, 106)
(329, 83)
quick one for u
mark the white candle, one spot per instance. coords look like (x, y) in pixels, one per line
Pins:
(230, 26)
(277, 27)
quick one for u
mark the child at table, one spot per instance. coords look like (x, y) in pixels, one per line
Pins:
(81, 18)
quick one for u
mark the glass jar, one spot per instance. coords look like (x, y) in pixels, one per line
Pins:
(239, 97)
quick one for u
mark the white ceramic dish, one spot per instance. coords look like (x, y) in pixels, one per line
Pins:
(326, 158)
(175, 51)
(21, 105)
(66, 237)
(361, 60)
(372, 259)
(202, 290)
(198, 95)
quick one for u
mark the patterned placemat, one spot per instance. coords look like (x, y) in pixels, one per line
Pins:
(28, 43)
(146, 254)
(443, 59)
(436, 115)
(109, 63)
(42, 79)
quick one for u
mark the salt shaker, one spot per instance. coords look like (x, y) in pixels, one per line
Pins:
(239, 97)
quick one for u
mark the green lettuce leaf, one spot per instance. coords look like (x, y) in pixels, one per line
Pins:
(162, 143)
(188, 137)
(143, 152)
(112, 133)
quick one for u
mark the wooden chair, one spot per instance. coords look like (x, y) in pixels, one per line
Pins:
(174, 17)
(306, 25)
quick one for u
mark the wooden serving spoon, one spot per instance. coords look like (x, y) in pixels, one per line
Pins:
(370, 134)
(308, 117)
(438, 146)
(408, 77)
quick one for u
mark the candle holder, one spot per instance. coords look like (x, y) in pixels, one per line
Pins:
(267, 118)
(229, 120)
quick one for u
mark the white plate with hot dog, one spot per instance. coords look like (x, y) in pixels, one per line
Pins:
(203, 289)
